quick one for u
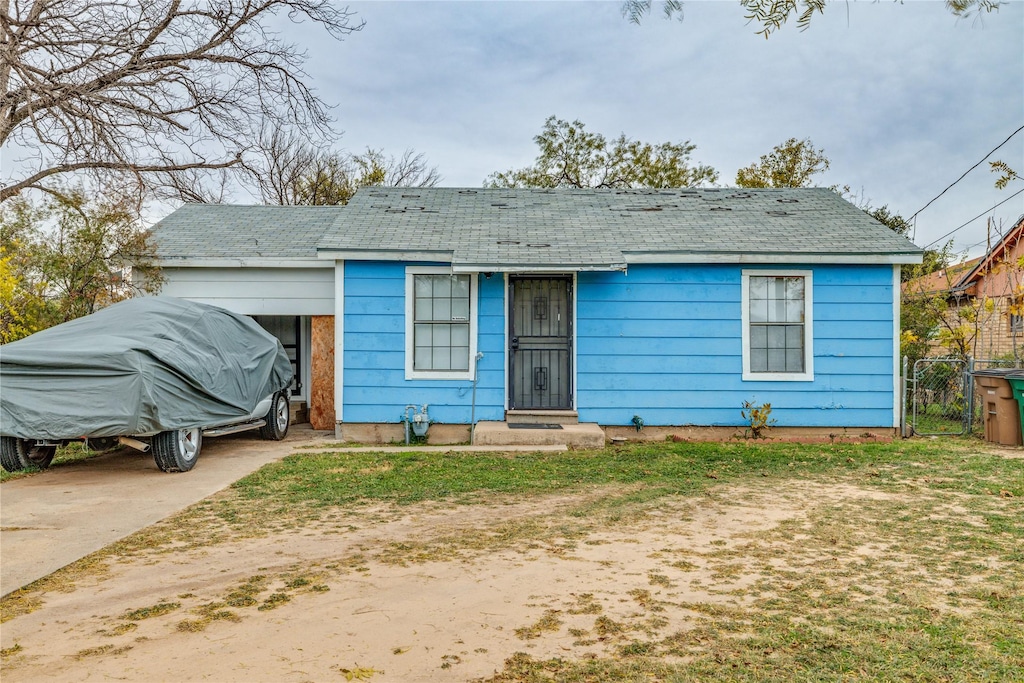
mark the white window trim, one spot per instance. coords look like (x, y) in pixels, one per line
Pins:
(411, 373)
(808, 374)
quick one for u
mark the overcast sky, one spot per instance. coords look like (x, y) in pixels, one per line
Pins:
(903, 98)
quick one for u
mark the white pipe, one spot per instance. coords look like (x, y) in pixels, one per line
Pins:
(472, 410)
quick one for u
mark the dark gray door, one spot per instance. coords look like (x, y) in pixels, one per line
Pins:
(540, 348)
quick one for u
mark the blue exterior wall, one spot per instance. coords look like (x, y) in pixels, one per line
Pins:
(375, 388)
(661, 342)
(664, 343)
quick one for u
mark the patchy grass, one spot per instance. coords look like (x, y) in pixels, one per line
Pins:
(325, 479)
(913, 576)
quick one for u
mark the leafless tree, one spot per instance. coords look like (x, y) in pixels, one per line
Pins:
(289, 170)
(152, 88)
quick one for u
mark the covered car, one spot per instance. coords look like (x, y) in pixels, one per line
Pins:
(156, 373)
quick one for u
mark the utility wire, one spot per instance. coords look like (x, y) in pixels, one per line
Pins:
(965, 174)
(964, 225)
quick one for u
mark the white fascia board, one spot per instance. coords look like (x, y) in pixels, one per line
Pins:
(197, 262)
(534, 268)
(634, 258)
(440, 256)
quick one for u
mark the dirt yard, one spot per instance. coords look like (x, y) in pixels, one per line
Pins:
(437, 592)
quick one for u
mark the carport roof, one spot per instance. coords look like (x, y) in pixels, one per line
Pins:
(224, 231)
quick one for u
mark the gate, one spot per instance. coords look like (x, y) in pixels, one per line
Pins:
(940, 397)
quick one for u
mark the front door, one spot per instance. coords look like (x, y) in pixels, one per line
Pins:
(540, 343)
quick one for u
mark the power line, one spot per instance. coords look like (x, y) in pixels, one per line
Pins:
(964, 225)
(965, 173)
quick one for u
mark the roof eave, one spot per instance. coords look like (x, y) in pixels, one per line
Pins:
(246, 262)
(638, 257)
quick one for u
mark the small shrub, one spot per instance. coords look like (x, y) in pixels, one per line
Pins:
(758, 417)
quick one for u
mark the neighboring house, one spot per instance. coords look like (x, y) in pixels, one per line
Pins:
(984, 296)
(676, 306)
(997, 278)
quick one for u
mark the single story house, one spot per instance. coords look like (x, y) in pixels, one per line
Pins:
(667, 308)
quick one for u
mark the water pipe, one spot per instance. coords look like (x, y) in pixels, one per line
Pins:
(472, 410)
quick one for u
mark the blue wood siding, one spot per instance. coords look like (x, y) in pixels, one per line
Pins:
(375, 388)
(664, 342)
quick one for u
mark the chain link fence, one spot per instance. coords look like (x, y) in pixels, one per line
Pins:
(940, 397)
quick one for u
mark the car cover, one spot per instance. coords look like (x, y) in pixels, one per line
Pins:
(141, 366)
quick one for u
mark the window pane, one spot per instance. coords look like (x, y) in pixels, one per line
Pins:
(460, 358)
(776, 337)
(460, 335)
(422, 284)
(442, 309)
(759, 360)
(442, 285)
(421, 358)
(423, 308)
(442, 335)
(795, 288)
(758, 288)
(794, 360)
(460, 287)
(776, 360)
(460, 309)
(441, 358)
(758, 337)
(794, 337)
(422, 334)
(794, 311)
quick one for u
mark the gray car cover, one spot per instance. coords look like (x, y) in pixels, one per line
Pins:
(141, 366)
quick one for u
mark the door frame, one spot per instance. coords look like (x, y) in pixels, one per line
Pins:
(507, 300)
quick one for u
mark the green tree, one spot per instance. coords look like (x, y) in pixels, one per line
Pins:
(68, 256)
(570, 156)
(791, 164)
(770, 15)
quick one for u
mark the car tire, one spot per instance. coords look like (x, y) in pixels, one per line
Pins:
(22, 454)
(278, 418)
(178, 449)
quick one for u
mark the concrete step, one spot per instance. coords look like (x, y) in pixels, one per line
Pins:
(585, 435)
(558, 417)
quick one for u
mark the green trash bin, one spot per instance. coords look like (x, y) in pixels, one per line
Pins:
(1016, 380)
(1000, 406)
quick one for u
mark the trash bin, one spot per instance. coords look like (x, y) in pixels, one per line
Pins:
(999, 407)
(1016, 380)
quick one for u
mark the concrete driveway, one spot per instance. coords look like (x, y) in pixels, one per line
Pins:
(53, 518)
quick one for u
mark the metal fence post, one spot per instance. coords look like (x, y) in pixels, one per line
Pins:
(903, 399)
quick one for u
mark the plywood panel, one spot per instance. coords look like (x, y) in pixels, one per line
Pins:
(321, 385)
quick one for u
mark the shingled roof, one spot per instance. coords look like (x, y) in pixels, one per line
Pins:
(548, 229)
(231, 232)
(536, 229)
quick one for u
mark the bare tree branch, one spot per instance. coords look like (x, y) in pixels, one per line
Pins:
(151, 88)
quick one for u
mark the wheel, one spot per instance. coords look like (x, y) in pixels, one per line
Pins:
(278, 418)
(22, 454)
(177, 450)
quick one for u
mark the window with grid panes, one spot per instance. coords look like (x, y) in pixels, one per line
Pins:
(777, 335)
(441, 322)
